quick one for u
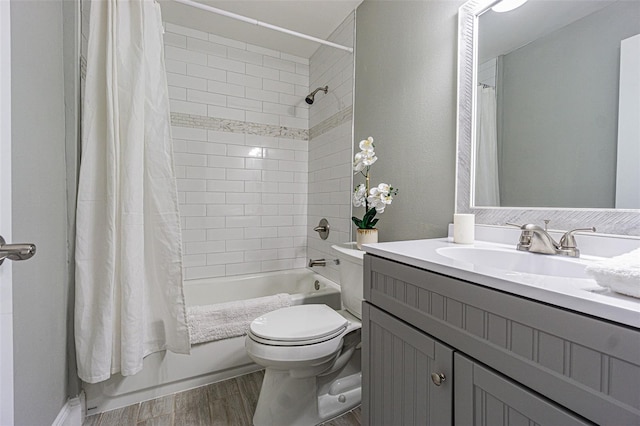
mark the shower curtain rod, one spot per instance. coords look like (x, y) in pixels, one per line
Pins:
(262, 24)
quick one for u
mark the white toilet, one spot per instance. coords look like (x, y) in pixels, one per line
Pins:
(310, 354)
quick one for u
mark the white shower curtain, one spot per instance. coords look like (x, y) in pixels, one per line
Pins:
(129, 295)
(487, 189)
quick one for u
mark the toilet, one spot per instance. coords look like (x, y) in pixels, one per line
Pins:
(311, 354)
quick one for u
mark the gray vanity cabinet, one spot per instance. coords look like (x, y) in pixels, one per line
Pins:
(506, 359)
(484, 397)
(398, 389)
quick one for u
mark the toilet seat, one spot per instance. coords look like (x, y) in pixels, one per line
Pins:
(298, 326)
(306, 342)
(321, 344)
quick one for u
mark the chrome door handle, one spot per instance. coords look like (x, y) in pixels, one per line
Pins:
(16, 251)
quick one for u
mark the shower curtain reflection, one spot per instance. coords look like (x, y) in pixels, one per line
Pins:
(487, 187)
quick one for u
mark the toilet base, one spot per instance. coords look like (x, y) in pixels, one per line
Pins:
(286, 400)
(345, 395)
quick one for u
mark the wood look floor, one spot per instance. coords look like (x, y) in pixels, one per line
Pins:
(228, 403)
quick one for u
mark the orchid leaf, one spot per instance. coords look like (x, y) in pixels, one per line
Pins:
(367, 219)
(357, 221)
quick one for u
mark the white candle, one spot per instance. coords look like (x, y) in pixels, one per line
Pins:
(463, 228)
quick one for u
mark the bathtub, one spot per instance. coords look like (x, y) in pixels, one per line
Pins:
(165, 373)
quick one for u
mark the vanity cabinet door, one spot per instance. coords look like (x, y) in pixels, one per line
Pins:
(398, 362)
(483, 397)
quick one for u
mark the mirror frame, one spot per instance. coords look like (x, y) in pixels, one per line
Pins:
(607, 221)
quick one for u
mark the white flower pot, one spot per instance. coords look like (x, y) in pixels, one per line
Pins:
(366, 236)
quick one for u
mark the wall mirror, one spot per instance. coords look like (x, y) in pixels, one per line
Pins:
(538, 129)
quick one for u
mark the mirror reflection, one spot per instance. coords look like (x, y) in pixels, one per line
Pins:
(556, 106)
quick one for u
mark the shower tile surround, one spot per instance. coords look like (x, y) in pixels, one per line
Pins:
(240, 129)
(256, 166)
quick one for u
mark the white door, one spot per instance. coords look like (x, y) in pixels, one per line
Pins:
(6, 308)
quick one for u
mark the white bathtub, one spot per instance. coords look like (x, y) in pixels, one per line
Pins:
(165, 372)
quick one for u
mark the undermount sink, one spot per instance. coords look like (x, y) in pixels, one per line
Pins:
(516, 261)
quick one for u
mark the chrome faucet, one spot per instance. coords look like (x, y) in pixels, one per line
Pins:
(321, 262)
(535, 239)
(317, 262)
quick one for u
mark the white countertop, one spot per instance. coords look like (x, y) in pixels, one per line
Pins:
(578, 294)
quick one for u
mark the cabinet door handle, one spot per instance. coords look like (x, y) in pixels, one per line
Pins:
(438, 378)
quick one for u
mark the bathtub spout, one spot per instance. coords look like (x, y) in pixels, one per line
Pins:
(317, 262)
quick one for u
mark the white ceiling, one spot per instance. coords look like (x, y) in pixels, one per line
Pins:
(312, 17)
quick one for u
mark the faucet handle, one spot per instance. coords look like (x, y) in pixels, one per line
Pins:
(514, 224)
(568, 241)
(525, 235)
(527, 227)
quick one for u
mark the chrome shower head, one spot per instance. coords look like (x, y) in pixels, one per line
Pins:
(309, 99)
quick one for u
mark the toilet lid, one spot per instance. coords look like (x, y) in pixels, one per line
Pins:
(298, 323)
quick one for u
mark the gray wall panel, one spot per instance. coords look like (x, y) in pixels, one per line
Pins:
(405, 97)
(41, 284)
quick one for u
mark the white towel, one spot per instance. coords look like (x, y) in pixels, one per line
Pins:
(620, 273)
(231, 319)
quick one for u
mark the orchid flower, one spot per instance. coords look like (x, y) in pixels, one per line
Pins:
(376, 199)
(366, 144)
(359, 195)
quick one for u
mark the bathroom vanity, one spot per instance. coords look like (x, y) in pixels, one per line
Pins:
(452, 342)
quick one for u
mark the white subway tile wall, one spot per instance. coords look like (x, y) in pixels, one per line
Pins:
(330, 146)
(243, 194)
(251, 186)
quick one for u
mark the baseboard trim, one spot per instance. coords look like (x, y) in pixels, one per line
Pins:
(71, 413)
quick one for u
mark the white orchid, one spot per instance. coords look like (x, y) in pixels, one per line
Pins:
(369, 158)
(376, 199)
(386, 198)
(359, 195)
(358, 165)
(383, 188)
(363, 159)
(380, 197)
(366, 144)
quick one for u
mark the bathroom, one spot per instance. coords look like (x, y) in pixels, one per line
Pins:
(412, 44)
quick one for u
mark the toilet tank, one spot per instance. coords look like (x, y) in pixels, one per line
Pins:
(351, 282)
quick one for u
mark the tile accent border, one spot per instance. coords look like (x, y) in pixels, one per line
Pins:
(235, 126)
(334, 121)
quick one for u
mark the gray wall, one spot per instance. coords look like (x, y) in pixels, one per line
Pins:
(40, 285)
(558, 149)
(406, 61)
